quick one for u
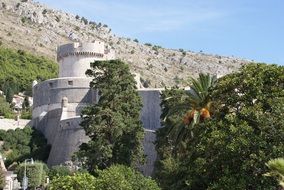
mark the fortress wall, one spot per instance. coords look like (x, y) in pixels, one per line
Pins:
(66, 135)
(48, 124)
(52, 91)
(150, 117)
(67, 141)
(151, 111)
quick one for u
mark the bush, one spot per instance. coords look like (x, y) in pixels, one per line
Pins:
(44, 11)
(5, 109)
(116, 177)
(84, 20)
(26, 114)
(57, 171)
(78, 181)
(36, 173)
(122, 177)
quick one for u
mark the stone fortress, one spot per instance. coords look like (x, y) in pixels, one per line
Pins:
(58, 103)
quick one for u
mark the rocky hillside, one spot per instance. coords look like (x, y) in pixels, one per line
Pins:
(31, 26)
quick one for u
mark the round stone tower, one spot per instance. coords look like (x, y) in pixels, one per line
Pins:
(75, 58)
(58, 102)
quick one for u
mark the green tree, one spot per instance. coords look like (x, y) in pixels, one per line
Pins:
(21, 144)
(246, 130)
(113, 124)
(5, 109)
(26, 103)
(119, 177)
(57, 171)
(9, 95)
(116, 177)
(276, 167)
(36, 173)
(197, 103)
(78, 181)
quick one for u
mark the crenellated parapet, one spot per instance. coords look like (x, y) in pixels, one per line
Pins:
(96, 49)
(75, 58)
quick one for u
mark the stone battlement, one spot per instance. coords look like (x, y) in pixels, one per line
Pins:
(95, 49)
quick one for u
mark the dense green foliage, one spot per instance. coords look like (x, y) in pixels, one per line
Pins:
(124, 178)
(57, 171)
(276, 167)
(18, 69)
(229, 150)
(21, 144)
(116, 177)
(78, 181)
(35, 172)
(5, 109)
(112, 124)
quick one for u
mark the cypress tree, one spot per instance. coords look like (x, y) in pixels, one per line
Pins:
(113, 124)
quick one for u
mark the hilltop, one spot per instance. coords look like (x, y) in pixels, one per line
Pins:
(34, 27)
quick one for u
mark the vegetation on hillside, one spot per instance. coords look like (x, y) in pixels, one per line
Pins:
(113, 124)
(21, 144)
(229, 150)
(18, 69)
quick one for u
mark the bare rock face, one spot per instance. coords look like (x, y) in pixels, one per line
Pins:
(31, 26)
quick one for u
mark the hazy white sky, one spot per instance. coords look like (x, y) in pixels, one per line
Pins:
(252, 29)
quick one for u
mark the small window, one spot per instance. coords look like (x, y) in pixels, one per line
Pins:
(68, 124)
(70, 83)
(50, 84)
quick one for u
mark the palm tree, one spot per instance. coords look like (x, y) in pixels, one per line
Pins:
(276, 167)
(197, 103)
(199, 99)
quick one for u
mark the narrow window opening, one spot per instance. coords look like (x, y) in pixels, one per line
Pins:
(70, 83)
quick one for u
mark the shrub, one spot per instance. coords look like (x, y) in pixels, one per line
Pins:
(122, 177)
(36, 173)
(78, 181)
(57, 171)
(44, 11)
(84, 20)
(5, 109)
(136, 40)
(116, 177)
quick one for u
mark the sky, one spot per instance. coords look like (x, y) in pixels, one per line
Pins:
(250, 29)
